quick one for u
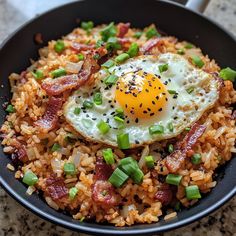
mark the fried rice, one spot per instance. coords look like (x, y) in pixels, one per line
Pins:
(45, 153)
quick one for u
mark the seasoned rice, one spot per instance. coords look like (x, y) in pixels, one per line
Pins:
(138, 203)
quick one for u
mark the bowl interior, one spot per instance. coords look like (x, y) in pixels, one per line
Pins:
(174, 20)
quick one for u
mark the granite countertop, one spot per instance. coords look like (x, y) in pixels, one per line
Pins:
(16, 220)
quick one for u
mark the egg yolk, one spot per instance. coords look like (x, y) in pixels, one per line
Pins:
(141, 95)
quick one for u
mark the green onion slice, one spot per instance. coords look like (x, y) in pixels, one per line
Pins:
(77, 111)
(133, 50)
(163, 68)
(122, 57)
(80, 56)
(108, 156)
(103, 127)
(88, 104)
(192, 192)
(137, 176)
(59, 46)
(181, 51)
(123, 141)
(111, 79)
(197, 61)
(138, 34)
(170, 148)
(30, 178)
(87, 25)
(170, 127)
(228, 74)
(38, 74)
(196, 158)
(97, 98)
(151, 32)
(73, 192)
(173, 179)
(10, 109)
(149, 160)
(55, 147)
(108, 31)
(118, 178)
(156, 129)
(69, 169)
(108, 64)
(58, 72)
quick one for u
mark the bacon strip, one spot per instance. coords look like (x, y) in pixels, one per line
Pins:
(55, 87)
(20, 154)
(150, 44)
(50, 118)
(175, 160)
(78, 47)
(103, 192)
(123, 29)
(164, 194)
(55, 188)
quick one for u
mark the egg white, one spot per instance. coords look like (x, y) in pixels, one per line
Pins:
(182, 111)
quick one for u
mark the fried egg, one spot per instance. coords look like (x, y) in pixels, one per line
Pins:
(165, 91)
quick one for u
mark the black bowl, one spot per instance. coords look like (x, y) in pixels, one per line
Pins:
(171, 18)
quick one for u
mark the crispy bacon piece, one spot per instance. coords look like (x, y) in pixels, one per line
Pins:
(78, 47)
(20, 154)
(150, 44)
(123, 29)
(55, 87)
(102, 191)
(175, 160)
(50, 118)
(102, 170)
(124, 42)
(55, 187)
(164, 194)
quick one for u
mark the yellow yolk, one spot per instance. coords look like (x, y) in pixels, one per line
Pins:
(141, 95)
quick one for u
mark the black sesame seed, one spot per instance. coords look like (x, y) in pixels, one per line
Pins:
(127, 121)
(175, 118)
(126, 105)
(169, 80)
(147, 90)
(175, 96)
(157, 97)
(164, 93)
(104, 114)
(87, 115)
(132, 112)
(152, 114)
(153, 103)
(109, 101)
(107, 120)
(136, 120)
(160, 109)
(173, 108)
(140, 105)
(165, 83)
(159, 87)
(94, 118)
(136, 142)
(113, 113)
(112, 106)
(144, 112)
(166, 99)
(149, 109)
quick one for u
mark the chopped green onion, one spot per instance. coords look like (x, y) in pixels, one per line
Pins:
(73, 192)
(113, 44)
(77, 111)
(59, 46)
(38, 74)
(118, 119)
(187, 128)
(170, 127)
(122, 57)
(149, 161)
(138, 34)
(55, 147)
(80, 56)
(228, 74)
(197, 61)
(120, 112)
(171, 91)
(156, 129)
(96, 56)
(108, 31)
(97, 98)
(10, 109)
(137, 176)
(163, 68)
(192, 192)
(196, 158)
(108, 156)
(88, 104)
(69, 169)
(103, 127)
(173, 179)
(82, 219)
(181, 51)
(111, 79)
(151, 32)
(118, 178)
(133, 50)
(128, 165)
(189, 46)
(58, 72)
(190, 90)
(170, 148)
(108, 64)
(99, 43)
(87, 25)
(30, 178)
(123, 141)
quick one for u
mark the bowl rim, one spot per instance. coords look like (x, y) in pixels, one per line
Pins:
(99, 231)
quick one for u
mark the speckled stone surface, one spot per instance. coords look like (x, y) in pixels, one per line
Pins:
(16, 221)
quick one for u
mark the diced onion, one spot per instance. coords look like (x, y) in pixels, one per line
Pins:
(30, 190)
(125, 210)
(76, 158)
(145, 153)
(57, 166)
(72, 67)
